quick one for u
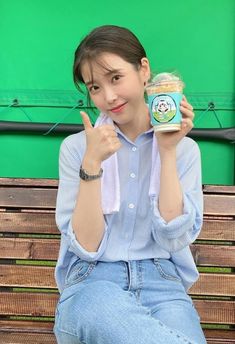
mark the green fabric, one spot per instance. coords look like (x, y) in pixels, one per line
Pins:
(195, 38)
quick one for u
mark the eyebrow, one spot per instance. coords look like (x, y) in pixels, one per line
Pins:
(109, 72)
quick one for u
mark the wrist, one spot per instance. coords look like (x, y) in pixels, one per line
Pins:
(91, 166)
(168, 153)
(87, 176)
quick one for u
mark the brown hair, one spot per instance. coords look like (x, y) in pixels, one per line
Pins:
(107, 39)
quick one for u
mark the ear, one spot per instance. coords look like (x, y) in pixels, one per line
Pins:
(145, 69)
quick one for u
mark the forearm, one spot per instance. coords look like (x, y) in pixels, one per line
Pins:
(88, 220)
(170, 201)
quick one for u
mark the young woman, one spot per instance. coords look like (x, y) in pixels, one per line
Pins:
(129, 204)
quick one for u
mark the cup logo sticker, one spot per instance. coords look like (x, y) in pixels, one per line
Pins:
(163, 108)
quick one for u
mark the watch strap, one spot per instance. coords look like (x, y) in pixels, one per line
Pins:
(84, 175)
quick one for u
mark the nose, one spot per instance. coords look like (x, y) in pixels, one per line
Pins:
(110, 95)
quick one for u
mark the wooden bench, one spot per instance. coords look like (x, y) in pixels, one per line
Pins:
(29, 243)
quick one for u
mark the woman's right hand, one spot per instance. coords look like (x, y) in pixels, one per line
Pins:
(102, 141)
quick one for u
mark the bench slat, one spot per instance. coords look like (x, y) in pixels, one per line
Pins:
(213, 255)
(31, 277)
(27, 197)
(17, 336)
(216, 312)
(217, 230)
(219, 204)
(46, 198)
(219, 336)
(39, 338)
(29, 338)
(51, 182)
(41, 304)
(26, 325)
(214, 285)
(18, 248)
(27, 276)
(32, 182)
(42, 223)
(28, 304)
(28, 248)
(225, 189)
(47, 327)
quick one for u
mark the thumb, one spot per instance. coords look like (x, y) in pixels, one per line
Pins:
(86, 120)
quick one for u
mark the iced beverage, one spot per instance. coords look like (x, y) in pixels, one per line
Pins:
(164, 96)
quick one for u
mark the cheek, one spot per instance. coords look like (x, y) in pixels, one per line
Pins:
(98, 101)
(130, 91)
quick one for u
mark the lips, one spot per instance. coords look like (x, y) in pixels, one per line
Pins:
(118, 108)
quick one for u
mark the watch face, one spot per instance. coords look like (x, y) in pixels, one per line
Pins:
(83, 175)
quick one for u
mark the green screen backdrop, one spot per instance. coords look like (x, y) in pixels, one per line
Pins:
(38, 38)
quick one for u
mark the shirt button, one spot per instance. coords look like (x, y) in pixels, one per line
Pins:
(132, 175)
(133, 149)
(131, 206)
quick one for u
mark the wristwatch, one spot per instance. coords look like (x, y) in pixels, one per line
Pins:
(84, 175)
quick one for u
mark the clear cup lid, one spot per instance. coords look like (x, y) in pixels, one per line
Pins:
(165, 79)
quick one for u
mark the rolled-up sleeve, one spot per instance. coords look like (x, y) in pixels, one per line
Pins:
(69, 164)
(184, 229)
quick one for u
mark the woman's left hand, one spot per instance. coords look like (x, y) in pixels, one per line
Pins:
(169, 140)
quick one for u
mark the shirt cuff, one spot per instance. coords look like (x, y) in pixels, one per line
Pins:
(82, 253)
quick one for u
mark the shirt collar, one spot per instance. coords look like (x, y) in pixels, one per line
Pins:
(145, 136)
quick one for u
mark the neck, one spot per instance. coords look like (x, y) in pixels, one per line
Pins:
(139, 125)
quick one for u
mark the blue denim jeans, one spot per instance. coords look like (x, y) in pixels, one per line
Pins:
(135, 302)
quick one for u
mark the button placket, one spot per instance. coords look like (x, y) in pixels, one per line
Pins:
(133, 175)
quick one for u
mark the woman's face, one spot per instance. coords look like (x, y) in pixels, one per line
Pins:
(116, 87)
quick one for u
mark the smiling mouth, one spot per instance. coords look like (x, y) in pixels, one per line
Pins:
(118, 108)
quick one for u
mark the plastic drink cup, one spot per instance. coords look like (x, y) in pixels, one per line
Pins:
(165, 93)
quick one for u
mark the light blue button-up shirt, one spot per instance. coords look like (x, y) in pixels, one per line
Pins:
(137, 231)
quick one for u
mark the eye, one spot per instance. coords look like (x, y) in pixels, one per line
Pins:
(93, 88)
(116, 77)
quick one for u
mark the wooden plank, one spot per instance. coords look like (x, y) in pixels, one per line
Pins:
(229, 189)
(217, 230)
(47, 249)
(219, 204)
(28, 304)
(19, 248)
(42, 304)
(29, 182)
(31, 277)
(32, 338)
(213, 337)
(27, 276)
(44, 223)
(27, 197)
(29, 338)
(227, 336)
(214, 284)
(25, 325)
(213, 255)
(219, 336)
(41, 223)
(220, 340)
(216, 312)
